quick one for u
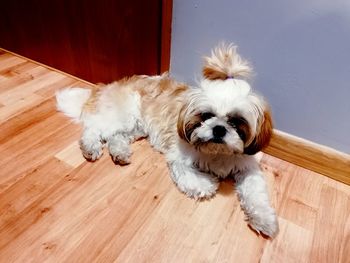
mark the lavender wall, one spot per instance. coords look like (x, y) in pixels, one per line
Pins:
(300, 50)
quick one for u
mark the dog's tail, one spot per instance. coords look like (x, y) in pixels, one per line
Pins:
(71, 101)
(225, 63)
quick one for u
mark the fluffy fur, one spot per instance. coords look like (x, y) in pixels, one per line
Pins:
(206, 132)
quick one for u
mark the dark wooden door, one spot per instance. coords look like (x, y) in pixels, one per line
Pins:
(96, 40)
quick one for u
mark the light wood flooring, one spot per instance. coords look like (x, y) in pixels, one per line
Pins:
(56, 207)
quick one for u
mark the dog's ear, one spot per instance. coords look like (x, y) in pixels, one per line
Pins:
(262, 138)
(186, 124)
(181, 124)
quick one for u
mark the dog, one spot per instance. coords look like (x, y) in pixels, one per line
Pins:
(206, 132)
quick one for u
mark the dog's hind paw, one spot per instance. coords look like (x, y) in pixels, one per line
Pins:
(121, 159)
(92, 156)
(93, 152)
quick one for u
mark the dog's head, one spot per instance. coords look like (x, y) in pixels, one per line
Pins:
(223, 115)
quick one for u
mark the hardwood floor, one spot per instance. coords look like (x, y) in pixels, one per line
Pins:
(56, 207)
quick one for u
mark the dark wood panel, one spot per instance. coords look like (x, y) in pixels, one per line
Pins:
(167, 14)
(97, 40)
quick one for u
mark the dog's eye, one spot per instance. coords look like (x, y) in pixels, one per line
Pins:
(240, 125)
(241, 134)
(206, 116)
(236, 121)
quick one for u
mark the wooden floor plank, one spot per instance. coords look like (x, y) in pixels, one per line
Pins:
(41, 217)
(8, 60)
(28, 189)
(27, 119)
(298, 195)
(71, 155)
(57, 207)
(22, 74)
(35, 145)
(293, 244)
(22, 91)
(129, 201)
(11, 71)
(331, 238)
(19, 106)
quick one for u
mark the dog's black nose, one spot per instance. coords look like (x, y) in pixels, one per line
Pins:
(219, 131)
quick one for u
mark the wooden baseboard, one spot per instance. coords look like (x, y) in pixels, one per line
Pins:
(309, 155)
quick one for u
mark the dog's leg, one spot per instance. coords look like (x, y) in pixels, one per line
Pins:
(91, 145)
(138, 132)
(119, 148)
(253, 195)
(192, 182)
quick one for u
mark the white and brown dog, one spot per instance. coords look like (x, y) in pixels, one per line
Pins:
(205, 132)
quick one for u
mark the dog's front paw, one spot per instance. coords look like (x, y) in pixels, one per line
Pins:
(264, 222)
(198, 187)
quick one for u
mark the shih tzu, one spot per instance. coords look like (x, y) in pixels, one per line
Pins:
(207, 132)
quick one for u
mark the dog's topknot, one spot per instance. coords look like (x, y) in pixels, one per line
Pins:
(225, 63)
